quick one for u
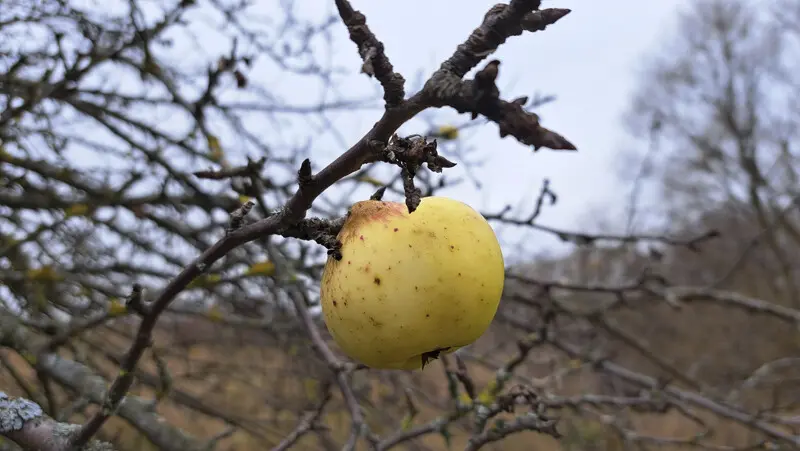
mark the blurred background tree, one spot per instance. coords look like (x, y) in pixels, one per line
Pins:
(135, 313)
(717, 118)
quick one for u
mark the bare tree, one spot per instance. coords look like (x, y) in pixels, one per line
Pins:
(720, 111)
(717, 115)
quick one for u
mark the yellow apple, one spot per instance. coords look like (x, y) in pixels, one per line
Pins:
(410, 286)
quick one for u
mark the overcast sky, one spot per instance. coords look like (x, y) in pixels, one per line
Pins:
(588, 60)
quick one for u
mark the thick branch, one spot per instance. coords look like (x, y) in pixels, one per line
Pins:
(24, 423)
(81, 380)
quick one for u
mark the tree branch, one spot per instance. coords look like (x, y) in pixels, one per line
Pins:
(24, 423)
(81, 380)
(376, 63)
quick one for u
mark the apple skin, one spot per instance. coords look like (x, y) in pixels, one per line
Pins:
(410, 285)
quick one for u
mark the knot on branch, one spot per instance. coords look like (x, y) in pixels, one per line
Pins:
(484, 90)
(238, 215)
(410, 154)
(304, 175)
(321, 231)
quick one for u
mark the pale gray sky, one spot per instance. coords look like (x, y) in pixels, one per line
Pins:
(588, 60)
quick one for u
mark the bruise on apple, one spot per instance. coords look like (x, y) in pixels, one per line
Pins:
(366, 212)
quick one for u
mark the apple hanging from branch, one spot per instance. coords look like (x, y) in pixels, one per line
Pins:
(411, 286)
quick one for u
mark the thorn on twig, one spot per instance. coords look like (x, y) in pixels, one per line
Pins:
(378, 195)
(539, 20)
(134, 300)
(304, 176)
(238, 215)
(484, 87)
(486, 77)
